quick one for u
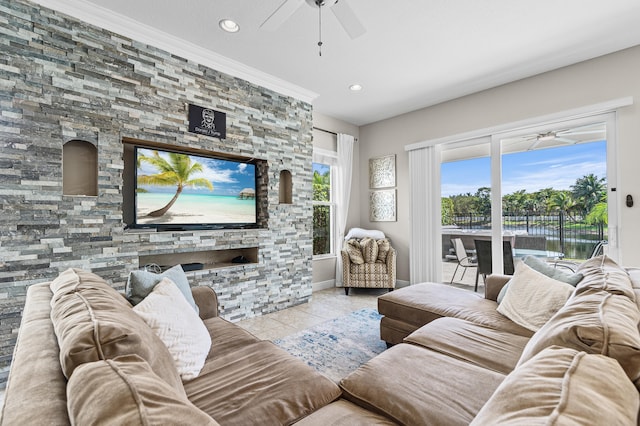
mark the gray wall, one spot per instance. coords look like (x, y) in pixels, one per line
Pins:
(62, 79)
(599, 80)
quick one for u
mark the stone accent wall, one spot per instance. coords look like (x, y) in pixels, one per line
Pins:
(60, 80)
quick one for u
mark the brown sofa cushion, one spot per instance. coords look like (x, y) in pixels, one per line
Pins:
(259, 384)
(126, 391)
(344, 413)
(496, 350)
(369, 248)
(352, 247)
(597, 322)
(94, 322)
(417, 386)
(563, 386)
(419, 304)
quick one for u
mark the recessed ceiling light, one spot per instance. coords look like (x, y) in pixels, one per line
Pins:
(355, 87)
(229, 26)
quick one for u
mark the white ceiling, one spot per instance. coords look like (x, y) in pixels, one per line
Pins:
(415, 53)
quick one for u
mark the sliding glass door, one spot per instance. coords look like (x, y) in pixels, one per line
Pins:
(545, 190)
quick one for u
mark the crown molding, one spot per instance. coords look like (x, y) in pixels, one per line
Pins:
(125, 26)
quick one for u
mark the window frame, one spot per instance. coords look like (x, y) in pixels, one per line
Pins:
(328, 158)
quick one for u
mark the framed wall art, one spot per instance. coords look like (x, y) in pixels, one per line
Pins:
(382, 205)
(382, 172)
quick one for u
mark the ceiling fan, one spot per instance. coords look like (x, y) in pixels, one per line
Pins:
(341, 10)
(568, 136)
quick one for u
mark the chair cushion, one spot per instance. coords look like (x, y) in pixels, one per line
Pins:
(352, 247)
(94, 322)
(595, 322)
(369, 248)
(125, 391)
(179, 327)
(563, 386)
(532, 298)
(384, 246)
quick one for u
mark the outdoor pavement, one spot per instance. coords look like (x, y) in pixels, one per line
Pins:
(466, 282)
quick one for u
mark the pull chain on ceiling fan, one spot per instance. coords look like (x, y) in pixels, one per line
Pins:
(320, 3)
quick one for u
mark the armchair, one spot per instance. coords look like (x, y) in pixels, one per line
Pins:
(368, 263)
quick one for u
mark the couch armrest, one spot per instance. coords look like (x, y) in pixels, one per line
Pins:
(494, 284)
(207, 301)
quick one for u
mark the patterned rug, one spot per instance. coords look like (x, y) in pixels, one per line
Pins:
(339, 346)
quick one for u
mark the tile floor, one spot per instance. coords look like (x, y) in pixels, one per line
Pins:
(332, 303)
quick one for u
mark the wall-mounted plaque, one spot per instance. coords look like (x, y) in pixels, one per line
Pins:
(382, 206)
(208, 122)
(382, 172)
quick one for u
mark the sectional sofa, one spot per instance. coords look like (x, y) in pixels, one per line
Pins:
(458, 358)
(84, 357)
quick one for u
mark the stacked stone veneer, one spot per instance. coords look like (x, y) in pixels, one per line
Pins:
(62, 79)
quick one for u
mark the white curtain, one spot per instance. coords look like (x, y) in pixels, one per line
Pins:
(425, 251)
(342, 192)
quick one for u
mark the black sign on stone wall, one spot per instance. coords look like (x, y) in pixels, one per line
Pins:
(205, 121)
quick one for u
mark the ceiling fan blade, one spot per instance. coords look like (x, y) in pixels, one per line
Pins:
(348, 19)
(281, 14)
(565, 140)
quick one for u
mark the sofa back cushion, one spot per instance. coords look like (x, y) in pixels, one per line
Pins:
(604, 273)
(126, 391)
(94, 322)
(597, 322)
(563, 386)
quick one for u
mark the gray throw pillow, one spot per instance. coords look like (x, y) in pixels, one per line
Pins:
(545, 269)
(555, 273)
(141, 283)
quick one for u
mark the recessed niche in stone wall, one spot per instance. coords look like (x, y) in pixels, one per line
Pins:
(79, 168)
(210, 259)
(286, 187)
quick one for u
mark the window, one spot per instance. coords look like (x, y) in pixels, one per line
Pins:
(323, 209)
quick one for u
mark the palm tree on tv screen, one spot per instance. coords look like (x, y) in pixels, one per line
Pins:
(174, 172)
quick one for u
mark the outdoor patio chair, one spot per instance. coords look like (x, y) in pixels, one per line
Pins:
(598, 249)
(483, 251)
(464, 260)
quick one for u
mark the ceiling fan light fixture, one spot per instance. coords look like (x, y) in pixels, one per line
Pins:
(229, 25)
(355, 87)
(547, 136)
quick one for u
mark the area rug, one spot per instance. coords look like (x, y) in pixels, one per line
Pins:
(339, 346)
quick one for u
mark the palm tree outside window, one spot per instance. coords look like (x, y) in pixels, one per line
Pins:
(323, 209)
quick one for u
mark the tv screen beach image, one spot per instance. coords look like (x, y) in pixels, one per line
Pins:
(177, 188)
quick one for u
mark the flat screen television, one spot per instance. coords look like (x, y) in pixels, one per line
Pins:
(182, 191)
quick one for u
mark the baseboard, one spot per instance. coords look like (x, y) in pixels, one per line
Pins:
(402, 283)
(323, 285)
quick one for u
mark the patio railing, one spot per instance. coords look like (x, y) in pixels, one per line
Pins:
(567, 234)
